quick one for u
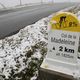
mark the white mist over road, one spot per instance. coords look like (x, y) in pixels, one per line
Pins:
(12, 3)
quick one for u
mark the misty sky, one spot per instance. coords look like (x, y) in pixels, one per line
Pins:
(67, 0)
(33, 1)
(9, 3)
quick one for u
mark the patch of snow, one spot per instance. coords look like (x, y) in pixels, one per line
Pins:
(33, 78)
(78, 15)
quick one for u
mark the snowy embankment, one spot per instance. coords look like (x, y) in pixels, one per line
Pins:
(22, 53)
(78, 14)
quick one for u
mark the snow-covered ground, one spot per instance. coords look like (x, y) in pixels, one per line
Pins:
(21, 54)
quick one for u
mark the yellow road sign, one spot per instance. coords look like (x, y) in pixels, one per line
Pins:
(63, 44)
(65, 21)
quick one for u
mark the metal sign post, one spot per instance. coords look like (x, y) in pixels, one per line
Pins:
(63, 43)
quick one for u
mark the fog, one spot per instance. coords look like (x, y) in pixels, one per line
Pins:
(11, 3)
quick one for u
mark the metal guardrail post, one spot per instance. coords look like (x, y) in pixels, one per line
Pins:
(41, 1)
(20, 2)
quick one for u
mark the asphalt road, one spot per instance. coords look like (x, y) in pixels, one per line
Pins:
(13, 20)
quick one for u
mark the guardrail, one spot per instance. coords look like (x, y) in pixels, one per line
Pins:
(19, 3)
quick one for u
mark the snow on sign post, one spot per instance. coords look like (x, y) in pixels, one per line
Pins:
(63, 43)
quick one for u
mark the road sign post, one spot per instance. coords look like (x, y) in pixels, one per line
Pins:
(63, 44)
